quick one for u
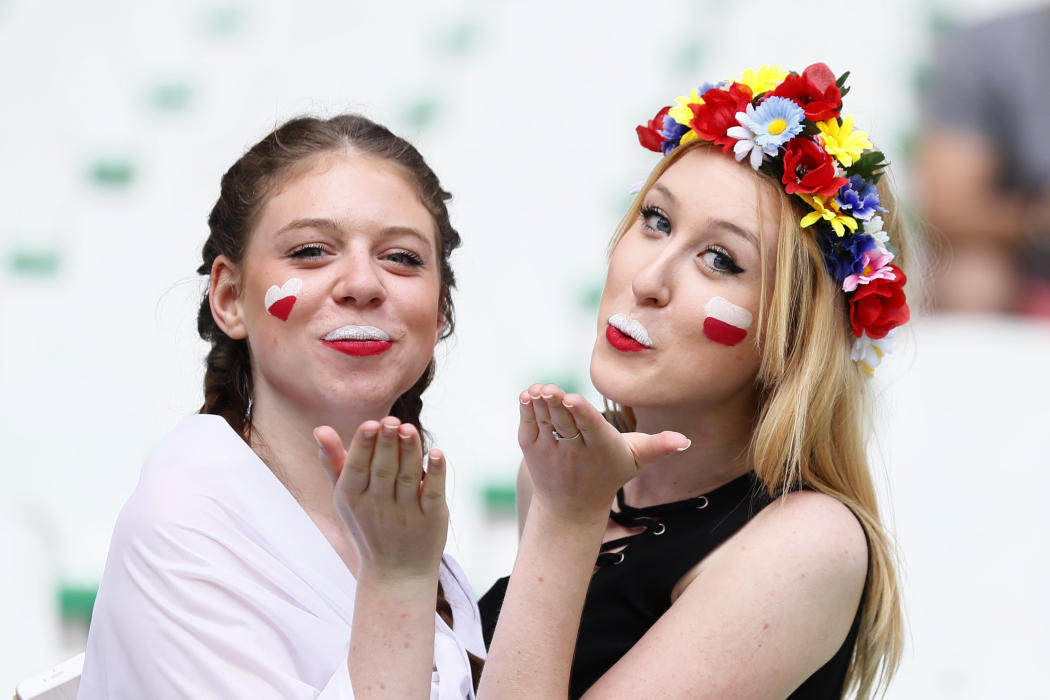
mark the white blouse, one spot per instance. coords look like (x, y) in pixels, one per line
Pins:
(219, 585)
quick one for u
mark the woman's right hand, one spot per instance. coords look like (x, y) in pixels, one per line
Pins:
(577, 475)
(395, 511)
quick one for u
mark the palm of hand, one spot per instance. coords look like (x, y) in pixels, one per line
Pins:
(576, 459)
(395, 513)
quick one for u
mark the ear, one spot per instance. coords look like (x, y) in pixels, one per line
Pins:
(224, 298)
(440, 328)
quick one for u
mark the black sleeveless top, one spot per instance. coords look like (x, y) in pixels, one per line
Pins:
(632, 587)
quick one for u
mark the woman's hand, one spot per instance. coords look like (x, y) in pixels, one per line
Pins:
(576, 459)
(395, 512)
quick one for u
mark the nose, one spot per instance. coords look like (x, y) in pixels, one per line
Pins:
(358, 282)
(652, 281)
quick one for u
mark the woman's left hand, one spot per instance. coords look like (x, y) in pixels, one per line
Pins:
(576, 458)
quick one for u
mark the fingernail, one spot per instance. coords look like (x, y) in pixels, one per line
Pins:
(369, 433)
(688, 444)
(546, 396)
(566, 405)
(389, 430)
(525, 402)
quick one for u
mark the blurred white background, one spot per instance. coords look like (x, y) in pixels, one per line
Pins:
(119, 116)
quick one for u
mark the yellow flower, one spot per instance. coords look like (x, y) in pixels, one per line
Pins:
(681, 112)
(827, 208)
(764, 79)
(688, 136)
(842, 141)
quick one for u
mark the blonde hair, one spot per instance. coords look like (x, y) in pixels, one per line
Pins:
(812, 418)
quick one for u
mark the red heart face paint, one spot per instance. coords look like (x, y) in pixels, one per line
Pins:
(726, 323)
(280, 300)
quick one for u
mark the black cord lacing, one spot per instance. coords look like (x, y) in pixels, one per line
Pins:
(629, 516)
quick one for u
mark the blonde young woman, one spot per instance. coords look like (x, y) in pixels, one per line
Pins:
(750, 294)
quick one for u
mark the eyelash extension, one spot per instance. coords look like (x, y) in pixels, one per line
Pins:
(648, 210)
(734, 269)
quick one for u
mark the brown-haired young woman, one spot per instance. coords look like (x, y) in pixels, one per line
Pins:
(239, 567)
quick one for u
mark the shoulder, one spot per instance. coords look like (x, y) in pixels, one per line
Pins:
(188, 485)
(762, 612)
(807, 536)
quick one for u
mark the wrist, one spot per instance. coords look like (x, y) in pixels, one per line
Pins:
(395, 579)
(571, 513)
(567, 519)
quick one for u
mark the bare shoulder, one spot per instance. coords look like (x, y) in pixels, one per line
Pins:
(805, 534)
(758, 615)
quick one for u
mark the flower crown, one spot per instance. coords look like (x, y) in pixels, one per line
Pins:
(790, 127)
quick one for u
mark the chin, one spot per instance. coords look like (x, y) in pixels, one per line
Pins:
(612, 382)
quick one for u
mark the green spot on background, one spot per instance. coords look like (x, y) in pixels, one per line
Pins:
(498, 499)
(459, 40)
(591, 295)
(689, 57)
(923, 78)
(422, 113)
(112, 172)
(224, 20)
(41, 262)
(570, 382)
(76, 601)
(908, 141)
(171, 96)
(939, 22)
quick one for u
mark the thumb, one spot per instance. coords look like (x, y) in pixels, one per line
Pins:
(649, 448)
(330, 451)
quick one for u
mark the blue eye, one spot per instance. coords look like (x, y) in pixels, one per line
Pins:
(721, 261)
(310, 250)
(655, 220)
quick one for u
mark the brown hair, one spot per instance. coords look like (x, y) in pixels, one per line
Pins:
(244, 190)
(812, 419)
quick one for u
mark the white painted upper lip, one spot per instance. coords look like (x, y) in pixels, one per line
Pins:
(357, 333)
(631, 328)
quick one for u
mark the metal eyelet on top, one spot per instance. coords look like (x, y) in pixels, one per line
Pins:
(618, 561)
(662, 530)
(701, 502)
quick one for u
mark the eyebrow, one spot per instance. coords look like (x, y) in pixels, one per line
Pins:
(331, 226)
(725, 224)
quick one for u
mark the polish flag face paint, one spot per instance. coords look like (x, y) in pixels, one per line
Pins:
(280, 300)
(726, 323)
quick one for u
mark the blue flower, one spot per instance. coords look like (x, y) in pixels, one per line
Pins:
(843, 256)
(775, 122)
(722, 85)
(672, 132)
(860, 197)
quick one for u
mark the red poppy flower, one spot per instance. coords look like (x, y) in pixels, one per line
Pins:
(879, 306)
(815, 91)
(808, 168)
(649, 135)
(718, 113)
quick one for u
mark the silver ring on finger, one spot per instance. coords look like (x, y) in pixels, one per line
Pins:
(559, 436)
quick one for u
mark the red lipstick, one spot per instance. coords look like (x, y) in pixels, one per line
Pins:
(622, 341)
(359, 348)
